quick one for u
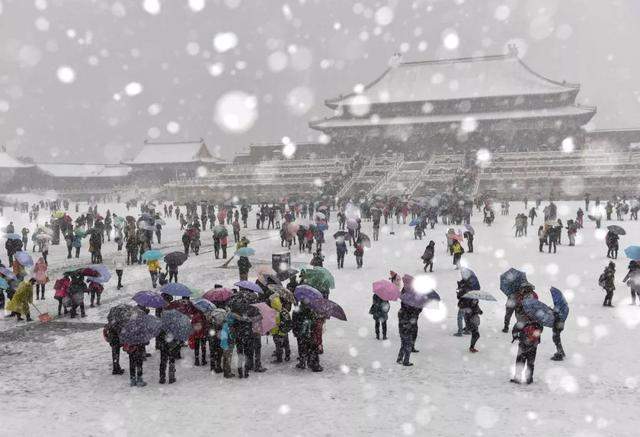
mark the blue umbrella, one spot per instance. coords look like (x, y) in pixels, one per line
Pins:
(176, 325)
(560, 305)
(4, 284)
(248, 285)
(539, 311)
(245, 251)
(140, 330)
(176, 289)
(24, 259)
(471, 278)
(633, 252)
(145, 216)
(13, 237)
(152, 255)
(414, 222)
(322, 226)
(8, 273)
(204, 305)
(149, 299)
(306, 293)
(146, 226)
(511, 280)
(105, 274)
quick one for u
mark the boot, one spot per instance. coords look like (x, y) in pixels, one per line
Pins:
(407, 364)
(317, 368)
(506, 328)
(162, 380)
(229, 375)
(216, 369)
(203, 362)
(557, 357)
(140, 382)
(132, 381)
(240, 373)
(197, 362)
(515, 380)
(172, 377)
(117, 370)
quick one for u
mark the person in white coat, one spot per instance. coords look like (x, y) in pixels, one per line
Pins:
(119, 263)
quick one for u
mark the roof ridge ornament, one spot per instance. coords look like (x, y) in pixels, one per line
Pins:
(395, 60)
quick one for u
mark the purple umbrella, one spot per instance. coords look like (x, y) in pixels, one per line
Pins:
(418, 300)
(306, 293)
(327, 308)
(176, 289)
(149, 299)
(104, 274)
(248, 285)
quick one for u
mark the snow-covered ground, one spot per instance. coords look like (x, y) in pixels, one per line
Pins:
(56, 378)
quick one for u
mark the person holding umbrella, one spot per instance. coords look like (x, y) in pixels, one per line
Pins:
(632, 279)
(341, 250)
(174, 260)
(427, 256)
(244, 265)
(379, 309)
(612, 243)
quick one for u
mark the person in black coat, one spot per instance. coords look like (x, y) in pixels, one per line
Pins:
(407, 327)
(427, 256)
(169, 351)
(607, 281)
(528, 340)
(341, 250)
(112, 336)
(469, 236)
(380, 312)
(302, 322)
(472, 314)
(612, 245)
(463, 288)
(243, 267)
(243, 333)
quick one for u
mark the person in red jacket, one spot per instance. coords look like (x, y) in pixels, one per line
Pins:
(198, 339)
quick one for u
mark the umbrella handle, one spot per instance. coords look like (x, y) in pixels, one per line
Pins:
(39, 312)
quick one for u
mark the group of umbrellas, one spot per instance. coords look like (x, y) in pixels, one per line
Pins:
(513, 280)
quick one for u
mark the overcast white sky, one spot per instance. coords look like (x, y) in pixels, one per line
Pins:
(289, 55)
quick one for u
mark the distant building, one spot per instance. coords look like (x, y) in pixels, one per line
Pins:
(494, 102)
(159, 162)
(11, 169)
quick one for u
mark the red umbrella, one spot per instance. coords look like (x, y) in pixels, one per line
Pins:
(186, 307)
(218, 295)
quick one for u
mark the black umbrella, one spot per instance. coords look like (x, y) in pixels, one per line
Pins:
(119, 315)
(175, 258)
(287, 274)
(617, 230)
(339, 234)
(364, 240)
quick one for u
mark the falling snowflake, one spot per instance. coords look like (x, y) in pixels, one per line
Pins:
(153, 7)
(66, 74)
(225, 41)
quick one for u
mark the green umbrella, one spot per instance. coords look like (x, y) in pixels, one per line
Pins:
(319, 278)
(220, 231)
(80, 233)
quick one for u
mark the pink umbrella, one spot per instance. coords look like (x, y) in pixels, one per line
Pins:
(268, 321)
(292, 228)
(352, 224)
(218, 295)
(386, 290)
(457, 237)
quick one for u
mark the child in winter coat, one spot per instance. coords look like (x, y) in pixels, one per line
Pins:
(136, 358)
(606, 281)
(154, 269)
(61, 287)
(283, 326)
(95, 291)
(359, 253)
(318, 259)
(528, 340)
(303, 322)
(457, 250)
(380, 312)
(427, 256)
(227, 342)
(40, 275)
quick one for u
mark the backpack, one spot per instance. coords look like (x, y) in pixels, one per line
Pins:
(602, 280)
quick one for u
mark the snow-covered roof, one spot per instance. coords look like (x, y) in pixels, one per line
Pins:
(8, 161)
(173, 153)
(84, 170)
(452, 79)
(585, 113)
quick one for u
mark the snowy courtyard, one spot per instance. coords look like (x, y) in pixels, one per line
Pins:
(57, 377)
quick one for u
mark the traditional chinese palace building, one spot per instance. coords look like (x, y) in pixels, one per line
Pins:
(497, 102)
